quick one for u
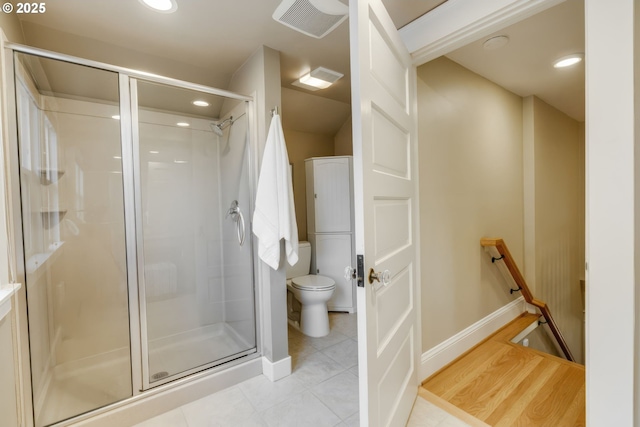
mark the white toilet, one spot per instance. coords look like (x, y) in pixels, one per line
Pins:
(307, 295)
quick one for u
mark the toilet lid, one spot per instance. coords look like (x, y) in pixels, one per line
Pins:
(313, 282)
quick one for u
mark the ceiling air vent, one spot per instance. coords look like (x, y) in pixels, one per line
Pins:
(315, 18)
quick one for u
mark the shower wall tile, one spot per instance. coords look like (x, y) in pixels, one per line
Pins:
(211, 313)
(244, 331)
(214, 253)
(171, 316)
(238, 286)
(239, 310)
(214, 289)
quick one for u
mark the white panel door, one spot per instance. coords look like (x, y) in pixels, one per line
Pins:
(386, 207)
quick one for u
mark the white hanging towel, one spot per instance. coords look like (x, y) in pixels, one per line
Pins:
(274, 217)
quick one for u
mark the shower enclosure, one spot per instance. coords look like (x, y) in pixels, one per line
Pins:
(133, 211)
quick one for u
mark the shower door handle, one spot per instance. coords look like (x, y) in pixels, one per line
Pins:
(236, 214)
(240, 225)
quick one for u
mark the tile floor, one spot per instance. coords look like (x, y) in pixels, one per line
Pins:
(321, 391)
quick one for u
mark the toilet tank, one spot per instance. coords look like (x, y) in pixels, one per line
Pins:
(304, 261)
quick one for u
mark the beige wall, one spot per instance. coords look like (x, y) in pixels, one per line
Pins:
(11, 27)
(343, 141)
(260, 76)
(471, 186)
(555, 157)
(301, 146)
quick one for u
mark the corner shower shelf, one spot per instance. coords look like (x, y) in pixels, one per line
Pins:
(37, 263)
(49, 176)
(52, 217)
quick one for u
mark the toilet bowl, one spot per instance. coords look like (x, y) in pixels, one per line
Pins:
(311, 292)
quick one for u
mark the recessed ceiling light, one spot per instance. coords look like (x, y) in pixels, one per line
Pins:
(569, 60)
(163, 6)
(183, 124)
(180, 162)
(495, 42)
(117, 117)
(320, 78)
(200, 103)
(154, 152)
(117, 157)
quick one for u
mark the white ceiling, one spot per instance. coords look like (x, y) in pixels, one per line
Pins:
(214, 35)
(206, 41)
(525, 65)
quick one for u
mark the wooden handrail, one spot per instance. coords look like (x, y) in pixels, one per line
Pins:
(505, 256)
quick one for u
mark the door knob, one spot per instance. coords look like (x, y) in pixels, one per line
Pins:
(350, 273)
(383, 277)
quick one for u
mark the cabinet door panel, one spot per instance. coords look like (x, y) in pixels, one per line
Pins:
(332, 196)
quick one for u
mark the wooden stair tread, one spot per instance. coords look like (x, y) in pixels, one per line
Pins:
(505, 384)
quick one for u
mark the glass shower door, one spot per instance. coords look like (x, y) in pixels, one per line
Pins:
(72, 207)
(195, 270)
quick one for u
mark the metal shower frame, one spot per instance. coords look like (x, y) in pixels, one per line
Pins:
(127, 79)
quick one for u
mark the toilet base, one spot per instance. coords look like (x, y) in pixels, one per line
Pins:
(314, 320)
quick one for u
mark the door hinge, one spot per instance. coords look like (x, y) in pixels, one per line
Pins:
(360, 270)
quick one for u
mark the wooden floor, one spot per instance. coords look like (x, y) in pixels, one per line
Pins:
(505, 384)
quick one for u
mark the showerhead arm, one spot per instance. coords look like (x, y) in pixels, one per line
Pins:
(225, 122)
(219, 127)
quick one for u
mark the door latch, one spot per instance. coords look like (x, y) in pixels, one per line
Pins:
(360, 270)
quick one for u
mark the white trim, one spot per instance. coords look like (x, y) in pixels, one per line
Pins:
(447, 351)
(530, 308)
(276, 370)
(6, 292)
(612, 212)
(456, 23)
(526, 332)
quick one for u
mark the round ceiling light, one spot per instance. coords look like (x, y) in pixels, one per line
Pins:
(569, 60)
(200, 103)
(164, 6)
(495, 42)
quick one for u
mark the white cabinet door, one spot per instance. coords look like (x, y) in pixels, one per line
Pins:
(332, 253)
(332, 193)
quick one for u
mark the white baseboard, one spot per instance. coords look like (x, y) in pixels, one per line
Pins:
(276, 370)
(447, 351)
